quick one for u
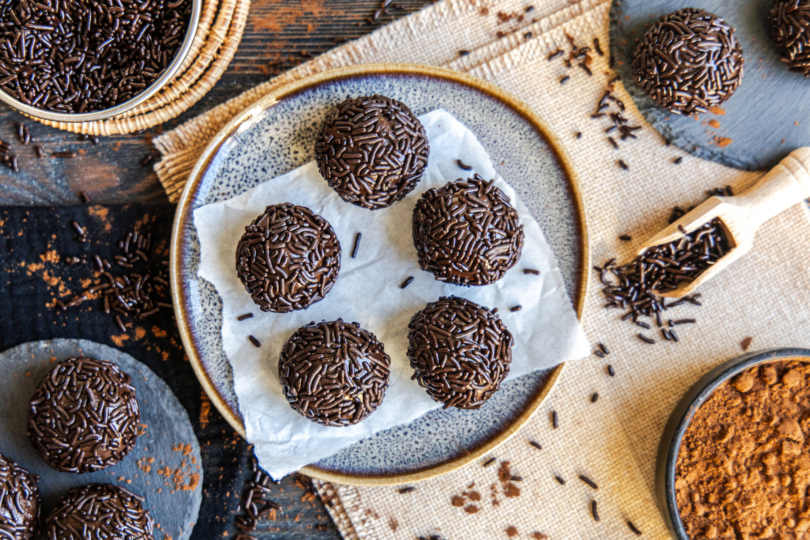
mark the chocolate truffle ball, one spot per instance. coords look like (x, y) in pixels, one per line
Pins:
(467, 232)
(19, 501)
(688, 61)
(460, 351)
(334, 373)
(99, 511)
(372, 151)
(84, 416)
(790, 31)
(288, 258)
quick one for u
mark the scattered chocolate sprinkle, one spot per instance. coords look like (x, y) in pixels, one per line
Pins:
(531, 271)
(556, 54)
(489, 462)
(633, 528)
(463, 53)
(578, 134)
(559, 480)
(356, 244)
(588, 481)
(613, 143)
(555, 422)
(244, 316)
(603, 348)
(515, 308)
(406, 489)
(536, 445)
(586, 69)
(255, 341)
(594, 397)
(645, 339)
(597, 48)
(611, 371)
(625, 238)
(407, 282)
(527, 35)
(623, 165)
(594, 511)
(462, 165)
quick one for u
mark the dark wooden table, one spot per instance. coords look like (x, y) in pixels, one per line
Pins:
(111, 171)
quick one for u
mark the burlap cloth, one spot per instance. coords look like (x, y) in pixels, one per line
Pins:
(613, 441)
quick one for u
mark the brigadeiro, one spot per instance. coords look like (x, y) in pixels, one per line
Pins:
(372, 151)
(688, 61)
(334, 373)
(84, 416)
(99, 511)
(288, 258)
(789, 20)
(467, 232)
(460, 351)
(19, 501)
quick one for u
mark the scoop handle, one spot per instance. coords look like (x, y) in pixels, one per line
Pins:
(783, 186)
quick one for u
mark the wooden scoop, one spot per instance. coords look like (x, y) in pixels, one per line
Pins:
(785, 185)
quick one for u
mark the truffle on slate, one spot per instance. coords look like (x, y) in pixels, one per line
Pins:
(84, 416)
(467, 232)
(334, 373)
(99, 511)
(688, 61)
(19, 501)
(372, 151)
(460, 351)
(288, 258)
(790, 31)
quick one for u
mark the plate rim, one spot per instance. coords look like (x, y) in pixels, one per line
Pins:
(183, 214)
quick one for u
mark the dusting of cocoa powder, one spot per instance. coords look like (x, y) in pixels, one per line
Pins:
(743, 468)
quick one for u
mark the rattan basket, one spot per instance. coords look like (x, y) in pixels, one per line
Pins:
(222, 23)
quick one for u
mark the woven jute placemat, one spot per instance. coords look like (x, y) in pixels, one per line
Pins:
(222, 23)
(614, 440)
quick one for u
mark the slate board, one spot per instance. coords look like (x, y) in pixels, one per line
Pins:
(167, 427)
(771, 105)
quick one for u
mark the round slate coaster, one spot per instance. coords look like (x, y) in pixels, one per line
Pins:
(767, 117)
(165, 467)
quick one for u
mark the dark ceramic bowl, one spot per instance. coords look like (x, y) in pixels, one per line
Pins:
(682, 416)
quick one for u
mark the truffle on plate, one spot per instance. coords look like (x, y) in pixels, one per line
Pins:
(467, 232)
(83, 416)
(334, 373)
(688, 61)
(372, 151)
(288, 258)
(790, 31)
(19, 501)
(99, 511)
(460, 351)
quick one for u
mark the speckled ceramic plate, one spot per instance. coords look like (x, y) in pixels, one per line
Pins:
(278, 134)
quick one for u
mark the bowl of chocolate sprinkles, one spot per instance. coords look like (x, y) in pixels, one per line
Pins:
(334, 373)
(729, 385)
(460, 352)
(467, 232)
(82, 61)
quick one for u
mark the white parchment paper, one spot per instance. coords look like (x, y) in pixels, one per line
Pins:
(368, 291)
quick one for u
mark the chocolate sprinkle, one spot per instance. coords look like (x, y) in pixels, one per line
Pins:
(460, 352)
(244, 316)
(789, 20)
(356, 245)
(462, 165)
(372, 151)
(19, 501)
(559, 480)
(406, 489)
(555, 421)
(334, 373)
(633, 528)
(99, 511)
(255, 341)
(588, 481)
(594, 397)
(594, 511)
(489, 462)
(536, 445)
(103, 421)
(407, 282)
(288, 258)
(467, 232)
(688, 61)
(611, 371)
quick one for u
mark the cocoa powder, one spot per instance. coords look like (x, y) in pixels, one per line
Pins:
(743, 467)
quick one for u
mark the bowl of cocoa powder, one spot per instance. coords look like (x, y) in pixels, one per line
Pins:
(734, 460)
